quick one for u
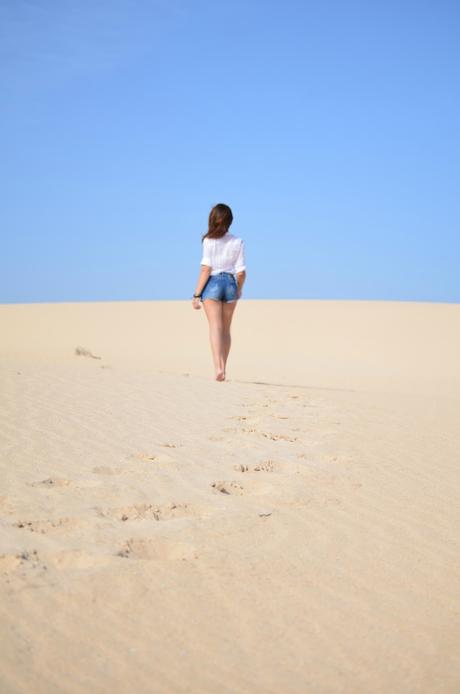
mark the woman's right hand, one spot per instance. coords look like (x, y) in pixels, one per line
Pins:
(238, 293)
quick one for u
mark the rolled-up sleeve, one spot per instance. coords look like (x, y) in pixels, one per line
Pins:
(206, 256)
(240, 264)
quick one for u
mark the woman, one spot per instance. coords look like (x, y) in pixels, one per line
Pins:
(217, 288)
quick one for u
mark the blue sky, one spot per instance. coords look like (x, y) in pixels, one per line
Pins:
(330, 128)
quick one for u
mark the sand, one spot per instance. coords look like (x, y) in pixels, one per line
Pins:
(294, 529)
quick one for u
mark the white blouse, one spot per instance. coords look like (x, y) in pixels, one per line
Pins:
(225, 254)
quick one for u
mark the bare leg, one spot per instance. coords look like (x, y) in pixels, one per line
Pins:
(213, 310)
(227, 315)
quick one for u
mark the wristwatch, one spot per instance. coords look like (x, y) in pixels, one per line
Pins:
(196, 296)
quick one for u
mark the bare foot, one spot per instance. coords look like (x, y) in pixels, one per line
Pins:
(220, 376)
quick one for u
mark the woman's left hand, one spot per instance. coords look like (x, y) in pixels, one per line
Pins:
(196, 303)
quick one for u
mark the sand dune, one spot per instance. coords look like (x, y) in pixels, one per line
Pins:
(295, 529)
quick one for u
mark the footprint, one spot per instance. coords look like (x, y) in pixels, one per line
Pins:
(146, 512)
(61, 560)
(228, 487)
(145, 456)
(147, 548)
(270, 435)
(26, 558)
(47, 526)
(265, 466)
(50, 482)
(278, 437)
(82, 351)
(61, 482)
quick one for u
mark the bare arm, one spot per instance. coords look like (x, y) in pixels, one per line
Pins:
(203, 278)
(240, 268)
(240, 280)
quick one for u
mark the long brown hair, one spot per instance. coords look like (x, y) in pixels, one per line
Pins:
(219, 222)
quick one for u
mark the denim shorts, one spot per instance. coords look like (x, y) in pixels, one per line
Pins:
(221, 287)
